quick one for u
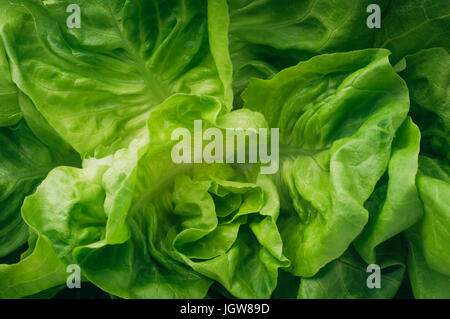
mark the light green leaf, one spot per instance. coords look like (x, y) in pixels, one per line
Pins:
(435, 226)
(96, 85)
(24, 163)
(9, 109)
(394, 206)
(426, 283)
(152, 225)
(338, 115)
(39, 271)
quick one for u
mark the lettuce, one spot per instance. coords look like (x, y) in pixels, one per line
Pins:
(145, 237)
(427, 75)
(342, 277)
(267, 36)
(335, 144)
(127, 58)
(87, 117)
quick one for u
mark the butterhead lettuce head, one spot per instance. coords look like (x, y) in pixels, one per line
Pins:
(358, 119)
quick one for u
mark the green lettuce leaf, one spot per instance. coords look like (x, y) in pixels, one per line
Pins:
(435, 226)
(346, 277)
(428, 260)
(94, 202)
(427, 76)
(426, 283)
(87, 174)
(338, 115)
(394, 206)
(141, 226)
(10, 113)
(97, 84)
(39, 271)
(24, 163)
(267, 36)
(245, 260)
(411, 25)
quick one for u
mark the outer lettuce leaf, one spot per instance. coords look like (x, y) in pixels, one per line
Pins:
(96, 85)
(428, 260)
(308, 27)
(426, 283)
(345, 277)
(40, 127)
(24, 163)
(411, 25)
(37, 272)
(12, 18)
(427, 76)
(9, 109)
(267, 36)
(338, 115)
(435, 226)
(394, 206)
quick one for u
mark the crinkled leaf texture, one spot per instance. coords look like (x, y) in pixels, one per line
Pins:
(360, 169)
(427, 76)
(269, 35)
(338, 115)
(141, 226)
(96, 85)
(429, 258)
(394, 206)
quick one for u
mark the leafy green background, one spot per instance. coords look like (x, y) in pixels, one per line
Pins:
(86, 177)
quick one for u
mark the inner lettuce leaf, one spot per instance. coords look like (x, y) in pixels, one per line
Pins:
(338, 115)
(141, 226)
(96, 85)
